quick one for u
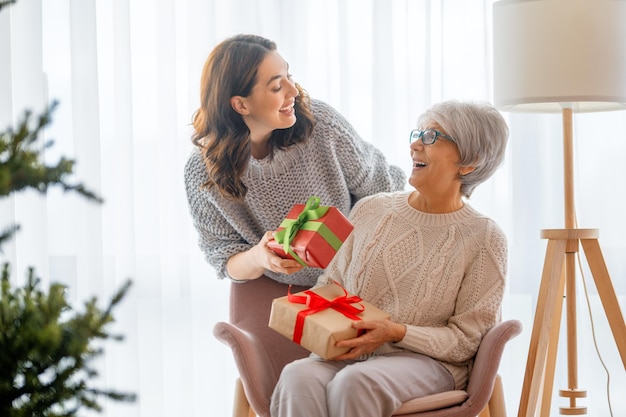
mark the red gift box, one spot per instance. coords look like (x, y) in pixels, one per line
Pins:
(312, 234)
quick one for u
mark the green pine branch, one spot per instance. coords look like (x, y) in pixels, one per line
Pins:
(6, 3)
(22, 163)
(47, 350)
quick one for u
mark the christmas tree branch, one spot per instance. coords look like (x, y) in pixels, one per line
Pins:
(6, 3)
(46, 348)
(22, 163)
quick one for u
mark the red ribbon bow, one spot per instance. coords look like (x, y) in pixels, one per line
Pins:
(317, 303)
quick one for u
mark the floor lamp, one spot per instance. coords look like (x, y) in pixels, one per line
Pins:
(562, 56)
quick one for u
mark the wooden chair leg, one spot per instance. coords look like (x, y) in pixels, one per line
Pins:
(495, 407)
(241, 407)
(496, 402)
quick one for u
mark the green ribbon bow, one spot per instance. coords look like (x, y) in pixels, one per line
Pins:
(312, 211)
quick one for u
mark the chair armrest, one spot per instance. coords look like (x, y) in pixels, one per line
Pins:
(432, 402)
(487, 360)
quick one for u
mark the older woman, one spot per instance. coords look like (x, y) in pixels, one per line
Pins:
(427, 258)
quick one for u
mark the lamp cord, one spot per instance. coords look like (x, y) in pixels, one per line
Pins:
(593, 332)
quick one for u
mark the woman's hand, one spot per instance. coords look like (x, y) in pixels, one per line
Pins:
(376, 333)
(253, 263)
(272, 261)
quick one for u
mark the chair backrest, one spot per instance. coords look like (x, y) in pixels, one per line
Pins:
(259, 367)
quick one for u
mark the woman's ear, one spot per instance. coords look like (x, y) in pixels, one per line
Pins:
(466, 170)
(239, 105)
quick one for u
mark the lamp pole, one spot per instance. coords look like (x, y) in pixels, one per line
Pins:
(570, 269)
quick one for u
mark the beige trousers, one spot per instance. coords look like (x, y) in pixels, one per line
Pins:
(376, 387)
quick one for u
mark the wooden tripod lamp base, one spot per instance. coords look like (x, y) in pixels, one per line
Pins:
(558, 279)
(538, 48)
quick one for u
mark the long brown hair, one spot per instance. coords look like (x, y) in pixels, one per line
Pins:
(220, 132)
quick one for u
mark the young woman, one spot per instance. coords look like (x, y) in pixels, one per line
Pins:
(428, 259)
(262, 145)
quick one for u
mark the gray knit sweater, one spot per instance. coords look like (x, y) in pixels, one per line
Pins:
(442, 275)
(334, 164)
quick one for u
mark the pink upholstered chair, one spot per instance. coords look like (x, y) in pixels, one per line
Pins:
(260, 353)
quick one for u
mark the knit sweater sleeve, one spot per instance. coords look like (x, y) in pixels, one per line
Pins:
(363, 165)
(217, 237)
(477, 306)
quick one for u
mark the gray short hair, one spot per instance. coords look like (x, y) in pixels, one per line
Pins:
(480, 133)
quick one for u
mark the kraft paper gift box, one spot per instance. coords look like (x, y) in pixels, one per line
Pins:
(317, 319)
(311, 233)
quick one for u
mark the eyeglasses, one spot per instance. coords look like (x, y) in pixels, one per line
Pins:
(428, 136)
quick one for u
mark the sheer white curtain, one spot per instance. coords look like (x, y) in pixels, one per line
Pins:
(126, 73)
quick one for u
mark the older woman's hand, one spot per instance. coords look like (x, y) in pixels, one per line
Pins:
(376, 333)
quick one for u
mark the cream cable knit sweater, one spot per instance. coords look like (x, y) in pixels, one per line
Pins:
(334, 164)
(442, 275)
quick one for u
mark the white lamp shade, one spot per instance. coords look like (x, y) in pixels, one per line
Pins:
(555, 54)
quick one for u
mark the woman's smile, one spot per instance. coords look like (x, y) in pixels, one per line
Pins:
(288, 110)
(417, 164)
